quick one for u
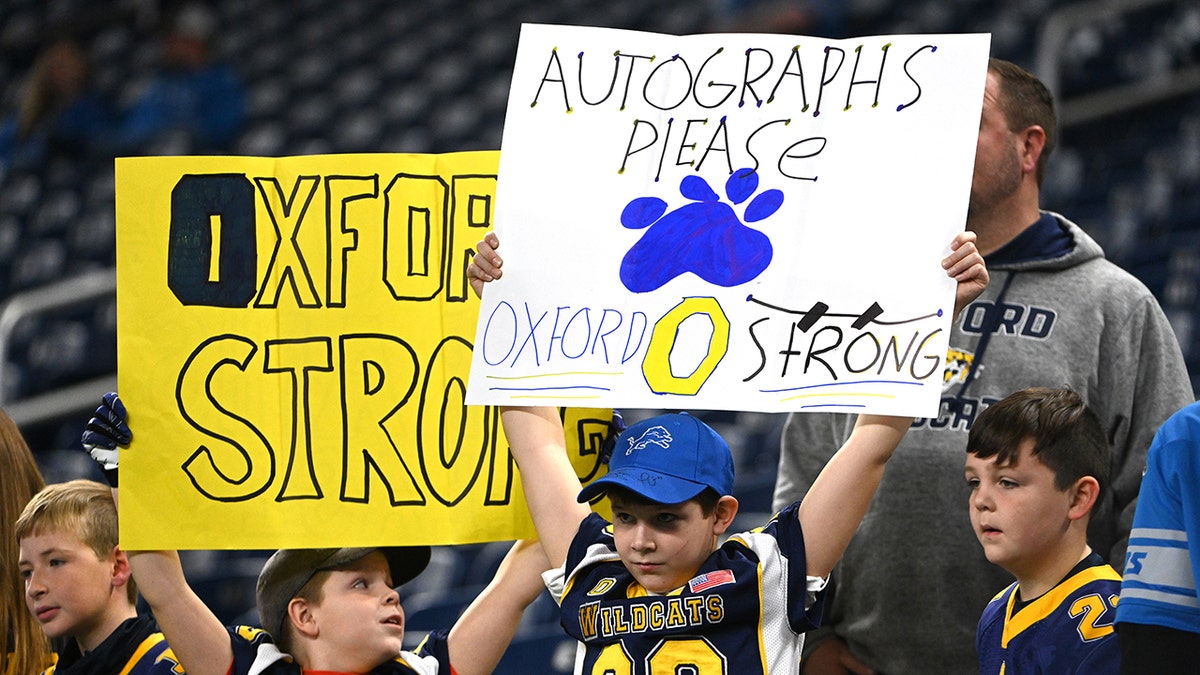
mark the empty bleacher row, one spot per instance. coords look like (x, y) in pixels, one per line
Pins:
(432, 76)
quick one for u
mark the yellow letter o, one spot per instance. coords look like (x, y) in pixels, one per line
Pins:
(656, 366)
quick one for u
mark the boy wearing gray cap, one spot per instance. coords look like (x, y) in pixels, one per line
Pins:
(333, 610)
(336, 610)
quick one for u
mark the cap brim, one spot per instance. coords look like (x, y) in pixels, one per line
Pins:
(655, 487)
(404, 562)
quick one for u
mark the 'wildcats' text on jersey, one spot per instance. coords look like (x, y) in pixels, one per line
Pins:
(745, 611)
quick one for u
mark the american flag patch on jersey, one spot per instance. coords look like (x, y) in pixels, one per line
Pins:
(711, 580)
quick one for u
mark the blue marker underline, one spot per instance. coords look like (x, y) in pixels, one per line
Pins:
(840, 384)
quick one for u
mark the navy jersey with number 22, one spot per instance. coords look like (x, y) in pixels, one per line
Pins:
(1066, 631)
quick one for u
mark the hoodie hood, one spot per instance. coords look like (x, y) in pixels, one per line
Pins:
(1052, 243)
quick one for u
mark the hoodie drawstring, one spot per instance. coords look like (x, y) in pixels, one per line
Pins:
(991, 322)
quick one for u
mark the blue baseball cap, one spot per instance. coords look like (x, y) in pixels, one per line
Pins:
(667, 459)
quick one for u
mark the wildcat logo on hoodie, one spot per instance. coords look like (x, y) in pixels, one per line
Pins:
(958, 366)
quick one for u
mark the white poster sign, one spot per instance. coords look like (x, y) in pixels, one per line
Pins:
(728, 221)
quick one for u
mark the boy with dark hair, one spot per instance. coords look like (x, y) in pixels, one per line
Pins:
(654, 591)
(1037, 464)
(78, 584)
(334, 610)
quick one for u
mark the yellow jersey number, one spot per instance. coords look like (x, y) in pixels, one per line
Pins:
(669, 657)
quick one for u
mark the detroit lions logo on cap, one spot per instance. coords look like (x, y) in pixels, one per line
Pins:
(658, 435)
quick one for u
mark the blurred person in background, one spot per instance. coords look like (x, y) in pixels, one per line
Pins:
(193, 104)
(59, 112)
(824, 18)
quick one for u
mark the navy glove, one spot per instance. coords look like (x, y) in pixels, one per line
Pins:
(105, 432)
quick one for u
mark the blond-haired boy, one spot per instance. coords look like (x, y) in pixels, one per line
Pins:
(79, 587)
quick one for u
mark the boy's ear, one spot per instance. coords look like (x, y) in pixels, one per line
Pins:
(1083, 497)
(300, 615)
(724, 511)
(120, 567)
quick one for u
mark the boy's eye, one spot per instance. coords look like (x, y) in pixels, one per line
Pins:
(1008, 483)
(55, 562)
(667, 518)
(973, 483)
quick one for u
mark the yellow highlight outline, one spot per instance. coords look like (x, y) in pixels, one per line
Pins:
(656, 366)
(539, 375)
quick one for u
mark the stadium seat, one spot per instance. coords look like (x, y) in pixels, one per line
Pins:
(546, 650)
(434, 610)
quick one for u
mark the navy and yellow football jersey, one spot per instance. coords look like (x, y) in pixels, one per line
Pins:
(1067, 630)
(134, 648)
(254, 652)
(745, 611)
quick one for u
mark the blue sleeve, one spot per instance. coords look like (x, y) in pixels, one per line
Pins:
(1162, 566)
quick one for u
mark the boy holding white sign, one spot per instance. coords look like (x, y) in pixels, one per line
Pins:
(653, 590)
(332, 610)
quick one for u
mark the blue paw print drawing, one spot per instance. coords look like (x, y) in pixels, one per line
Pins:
(704, 237)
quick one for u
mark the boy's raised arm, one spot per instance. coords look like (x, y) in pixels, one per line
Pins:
(536, 437)
(538, 445)
(838, 499)
(484, 631)
(194, 633)
(198, 638)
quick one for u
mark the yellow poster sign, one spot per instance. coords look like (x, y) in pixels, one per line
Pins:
(294, 341)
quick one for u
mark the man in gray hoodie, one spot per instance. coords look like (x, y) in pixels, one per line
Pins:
(909, 591)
